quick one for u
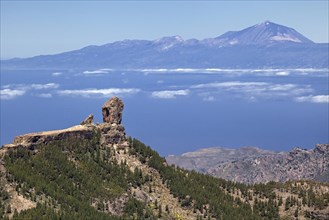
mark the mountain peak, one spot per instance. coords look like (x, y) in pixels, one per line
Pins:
(165, 43)
(263, 33)
(168, 39)
(267, 22)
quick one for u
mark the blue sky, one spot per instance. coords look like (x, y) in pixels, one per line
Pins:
(30, 28)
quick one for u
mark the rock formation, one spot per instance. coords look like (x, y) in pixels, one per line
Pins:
(88, 121)
(112, 111)
(112, 132)
(33, 139)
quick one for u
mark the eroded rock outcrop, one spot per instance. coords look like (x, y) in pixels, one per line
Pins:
(112, 132)
(33, 139)
(112, 111)
(88, 121)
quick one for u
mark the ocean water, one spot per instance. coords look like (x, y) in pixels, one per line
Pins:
(175, 110)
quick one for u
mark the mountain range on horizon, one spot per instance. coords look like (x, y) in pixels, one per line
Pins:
(264, 45)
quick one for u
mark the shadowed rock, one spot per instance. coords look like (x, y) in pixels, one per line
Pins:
(112, 131)
(112, 111)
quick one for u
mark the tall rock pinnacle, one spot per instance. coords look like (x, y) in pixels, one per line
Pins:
(112, 111)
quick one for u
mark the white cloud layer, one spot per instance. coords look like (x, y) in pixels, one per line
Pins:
(238, 72)
(170, 94)
(98, 72)
(11, 93)
(254, 90)
(57, 74)
(314, 99)
(89, 93)
(94, 72)
(229, 85)
(45, 86)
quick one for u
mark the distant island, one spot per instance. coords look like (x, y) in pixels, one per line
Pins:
(264, 45)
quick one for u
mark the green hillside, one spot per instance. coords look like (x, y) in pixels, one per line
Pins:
(80, 179)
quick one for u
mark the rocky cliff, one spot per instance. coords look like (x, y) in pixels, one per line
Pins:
(253, 165)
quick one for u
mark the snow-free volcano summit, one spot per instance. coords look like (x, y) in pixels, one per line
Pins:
(262, 34)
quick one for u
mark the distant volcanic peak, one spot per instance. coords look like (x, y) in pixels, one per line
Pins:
(268, 23)
(263, 33)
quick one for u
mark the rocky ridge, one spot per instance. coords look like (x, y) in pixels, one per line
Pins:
(112, 132)
(253, 165)
(204, 159)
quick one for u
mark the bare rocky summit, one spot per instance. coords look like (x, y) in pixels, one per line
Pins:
(253, 165)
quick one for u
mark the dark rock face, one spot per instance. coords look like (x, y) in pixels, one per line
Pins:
(112, 111)
(112, 131)
(262, 167)
(113, 135)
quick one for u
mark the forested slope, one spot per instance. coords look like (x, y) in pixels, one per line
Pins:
(80, 179)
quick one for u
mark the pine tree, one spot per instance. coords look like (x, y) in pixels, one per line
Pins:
(160, 211)
(280, 201)
(167, 208)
